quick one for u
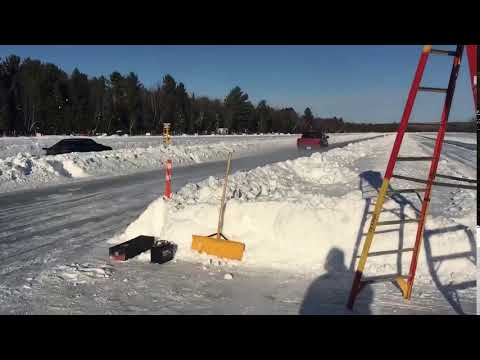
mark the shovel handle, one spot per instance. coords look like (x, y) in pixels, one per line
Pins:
(222, 204)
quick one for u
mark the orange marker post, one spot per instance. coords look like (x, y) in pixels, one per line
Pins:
(168, 180)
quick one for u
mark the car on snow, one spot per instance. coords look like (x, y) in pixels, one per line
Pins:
(312, 140)
(75, 145)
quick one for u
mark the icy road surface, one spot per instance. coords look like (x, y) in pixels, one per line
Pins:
(52, 247)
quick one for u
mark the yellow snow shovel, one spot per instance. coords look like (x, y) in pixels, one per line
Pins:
(216, 246)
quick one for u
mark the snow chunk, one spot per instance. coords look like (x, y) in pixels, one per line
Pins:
(228, 276)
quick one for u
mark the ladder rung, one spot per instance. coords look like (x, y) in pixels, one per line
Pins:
(443, 52)
(382, 278)
(395, 222)
(410, 179)
(456, 178)
(388, 252)
(393, 211)
(416, 126)
(433, 89)
(414, 158)
(406, 191)
(382, 232)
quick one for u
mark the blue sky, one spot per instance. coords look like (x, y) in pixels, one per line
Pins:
(356, 82)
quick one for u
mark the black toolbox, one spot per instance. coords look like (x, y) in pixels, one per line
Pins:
(131, 248)
(162, 252)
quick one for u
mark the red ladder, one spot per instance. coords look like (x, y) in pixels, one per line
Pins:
(406, 283)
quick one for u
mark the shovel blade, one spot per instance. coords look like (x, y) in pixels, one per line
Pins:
(226, 249)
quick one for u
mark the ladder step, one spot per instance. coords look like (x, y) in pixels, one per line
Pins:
(382, 278)
(414, 158)
(401, 177)
(395, 222)
(382, 232)
(433, 89)
(406, 191)
(436, 123)
(393, 211)
(415, 128)
(443, 52)
(388, 252)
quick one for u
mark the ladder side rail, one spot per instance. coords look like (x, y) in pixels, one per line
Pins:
(356, 285)
(407, 110)
(433, 167)
(472, 62)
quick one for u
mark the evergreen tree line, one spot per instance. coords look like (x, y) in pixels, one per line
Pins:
(41, 97)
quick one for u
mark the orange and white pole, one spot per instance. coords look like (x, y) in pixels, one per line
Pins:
(168, 180)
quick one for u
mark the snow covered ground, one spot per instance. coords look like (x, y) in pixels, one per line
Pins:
(296, 215)
(302, 221)
(314, 203)
(23, 166)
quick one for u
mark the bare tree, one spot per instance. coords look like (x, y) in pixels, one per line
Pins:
(29, 110)
(155, 102)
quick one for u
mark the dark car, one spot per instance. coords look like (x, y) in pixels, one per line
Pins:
(312, 139)
(75, 145)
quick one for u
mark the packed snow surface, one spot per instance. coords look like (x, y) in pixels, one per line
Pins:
(292, 216)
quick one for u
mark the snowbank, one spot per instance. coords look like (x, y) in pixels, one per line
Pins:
(11, 146)
(291, 214)
(25, 169)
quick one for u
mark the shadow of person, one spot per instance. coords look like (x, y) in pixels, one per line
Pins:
(328, 294)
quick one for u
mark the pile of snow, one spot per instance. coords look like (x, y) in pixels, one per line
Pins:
(11, 146)
(291, 214)
(23, 168)
(28, 170)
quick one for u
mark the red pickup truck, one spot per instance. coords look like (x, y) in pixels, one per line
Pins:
(312, 139)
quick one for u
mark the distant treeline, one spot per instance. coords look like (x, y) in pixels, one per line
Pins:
(38, 97)
(338, 125)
